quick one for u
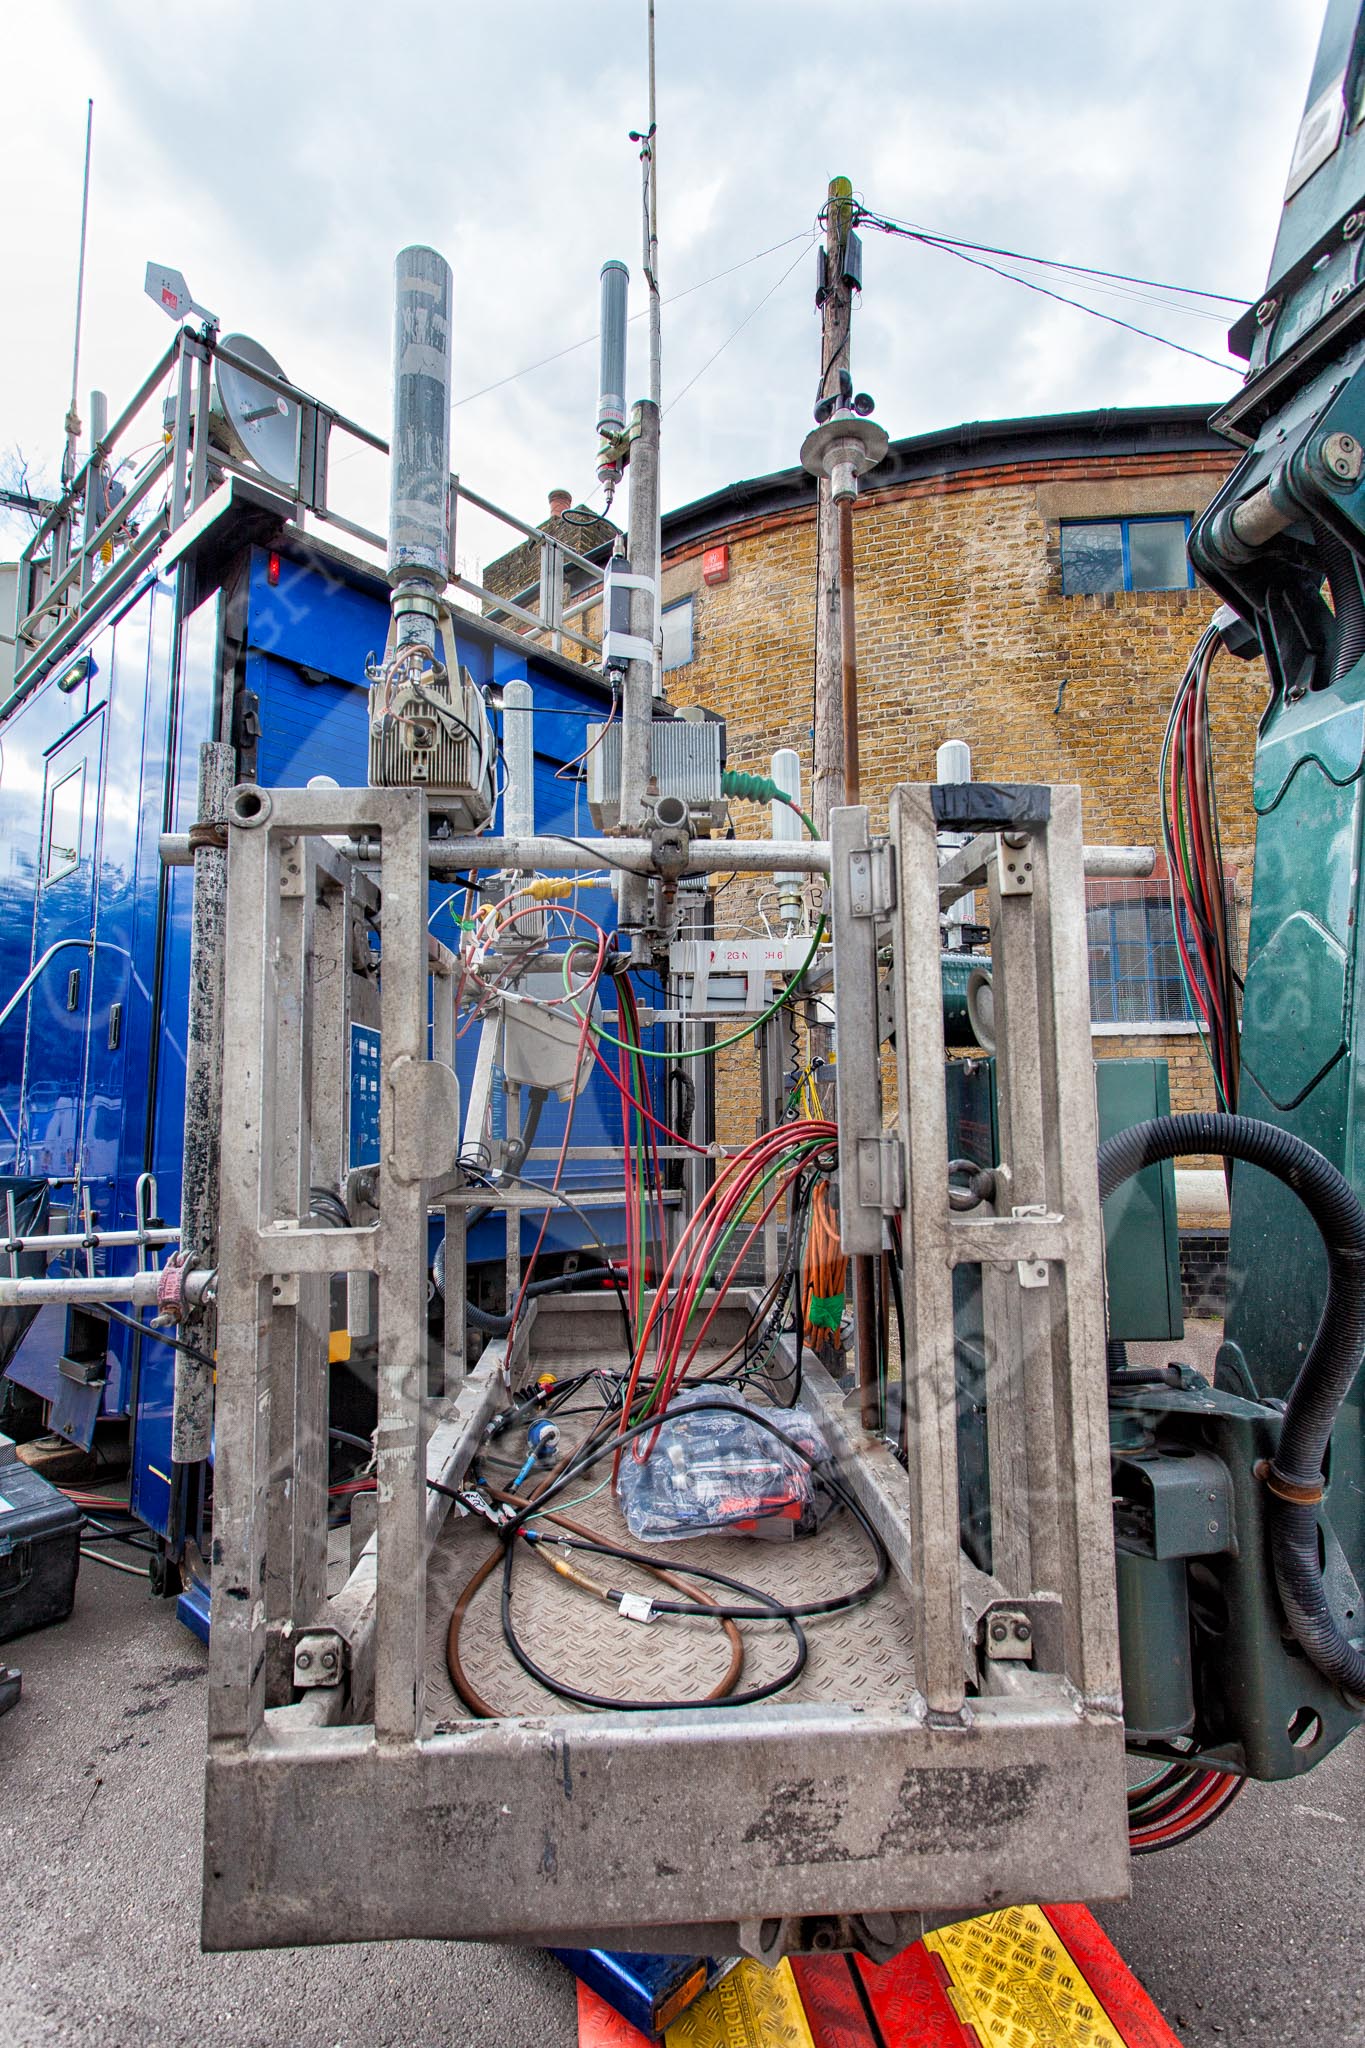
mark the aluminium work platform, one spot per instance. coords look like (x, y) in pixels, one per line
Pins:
(347, 1813)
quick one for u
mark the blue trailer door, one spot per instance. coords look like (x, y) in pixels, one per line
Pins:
(56, 1040)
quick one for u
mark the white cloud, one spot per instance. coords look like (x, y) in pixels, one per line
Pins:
(281, 154)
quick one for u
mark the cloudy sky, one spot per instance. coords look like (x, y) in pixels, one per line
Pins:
(279, 154)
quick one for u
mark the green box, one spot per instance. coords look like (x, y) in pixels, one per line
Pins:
(1141, 1238)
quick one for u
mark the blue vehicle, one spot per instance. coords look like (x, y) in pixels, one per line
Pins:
(221, 619)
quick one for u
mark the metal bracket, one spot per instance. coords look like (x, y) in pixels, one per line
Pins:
(291, 867)
(1014, 863)
(319, 1658)
(881, 1174)
(872, 880)
(425, 1119)
(1008, 1634)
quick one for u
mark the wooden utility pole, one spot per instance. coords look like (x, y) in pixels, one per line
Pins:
(836, 779)
(836, 316)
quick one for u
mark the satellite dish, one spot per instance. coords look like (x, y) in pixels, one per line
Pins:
(256, 424)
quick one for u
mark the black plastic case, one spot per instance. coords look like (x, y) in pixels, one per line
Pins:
(40, 1534)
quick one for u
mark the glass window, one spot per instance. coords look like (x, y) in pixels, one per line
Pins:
(64, 820)
(1134, 962)
(1156, 555)
(1125, 554)
(677, 624)
(1092, 557)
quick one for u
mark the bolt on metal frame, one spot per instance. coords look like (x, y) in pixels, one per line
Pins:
(778, 1821)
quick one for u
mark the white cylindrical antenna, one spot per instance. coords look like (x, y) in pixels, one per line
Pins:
(786, 775)
(953, 763)
(611, 403)
(419, 456)
(519, 760)
(98, 481)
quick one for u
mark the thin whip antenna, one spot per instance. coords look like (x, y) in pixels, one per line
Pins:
(652, 233)
(73, 420)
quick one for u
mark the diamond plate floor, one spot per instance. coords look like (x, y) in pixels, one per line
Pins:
(860, 1658)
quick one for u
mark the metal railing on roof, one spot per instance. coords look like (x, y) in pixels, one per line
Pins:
(94, 546)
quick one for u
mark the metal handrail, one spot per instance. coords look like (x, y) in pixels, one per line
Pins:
(77, 594)
(109, 526)
(26, 984)
(533, 620)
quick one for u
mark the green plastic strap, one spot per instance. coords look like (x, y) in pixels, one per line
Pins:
(826, 1311)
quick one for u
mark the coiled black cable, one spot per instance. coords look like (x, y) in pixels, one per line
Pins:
(1294, 1475)
(686, 1089)
(561, 1687)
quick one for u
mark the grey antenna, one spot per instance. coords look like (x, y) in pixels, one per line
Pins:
(257, 424)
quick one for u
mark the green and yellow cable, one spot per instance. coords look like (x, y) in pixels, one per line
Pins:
(760, 788)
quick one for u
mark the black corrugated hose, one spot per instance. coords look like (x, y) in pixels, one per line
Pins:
(1294, 1476)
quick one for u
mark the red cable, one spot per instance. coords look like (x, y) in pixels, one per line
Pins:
(725, 1201)
(673, 1137)
(729, 1210)
(1215, 1790)
(651, 1143)
(735, 1263)
(725, 1183)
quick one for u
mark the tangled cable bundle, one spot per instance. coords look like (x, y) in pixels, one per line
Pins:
(1194, 858)
(826, 1275)
(745, 1192)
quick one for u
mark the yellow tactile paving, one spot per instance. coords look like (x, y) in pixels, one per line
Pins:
(1016, 1984)
(750, 2008)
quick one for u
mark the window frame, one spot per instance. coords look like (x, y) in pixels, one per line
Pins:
(1109, 897)
(50, 873)
(1124, 521)
(676, 605)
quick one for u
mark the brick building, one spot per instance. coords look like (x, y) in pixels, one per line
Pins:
(1022, 586)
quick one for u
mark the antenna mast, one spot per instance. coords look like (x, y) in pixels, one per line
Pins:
(649, 157)
(73, 418)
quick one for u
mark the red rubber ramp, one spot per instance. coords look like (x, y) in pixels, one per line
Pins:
(1027, 1977)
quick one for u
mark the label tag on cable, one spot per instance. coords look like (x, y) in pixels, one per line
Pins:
(471, 1503)
(636, 1607)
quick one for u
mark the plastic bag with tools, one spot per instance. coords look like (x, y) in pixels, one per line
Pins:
(715, 1466)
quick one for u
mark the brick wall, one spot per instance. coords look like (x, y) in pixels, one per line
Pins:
(963, 633)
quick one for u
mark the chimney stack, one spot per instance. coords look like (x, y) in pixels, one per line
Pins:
(560, 501)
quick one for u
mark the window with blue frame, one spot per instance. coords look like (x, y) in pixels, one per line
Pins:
(1125, 554)
(1134, 961)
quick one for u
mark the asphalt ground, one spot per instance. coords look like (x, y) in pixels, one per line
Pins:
(1251, 1932)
